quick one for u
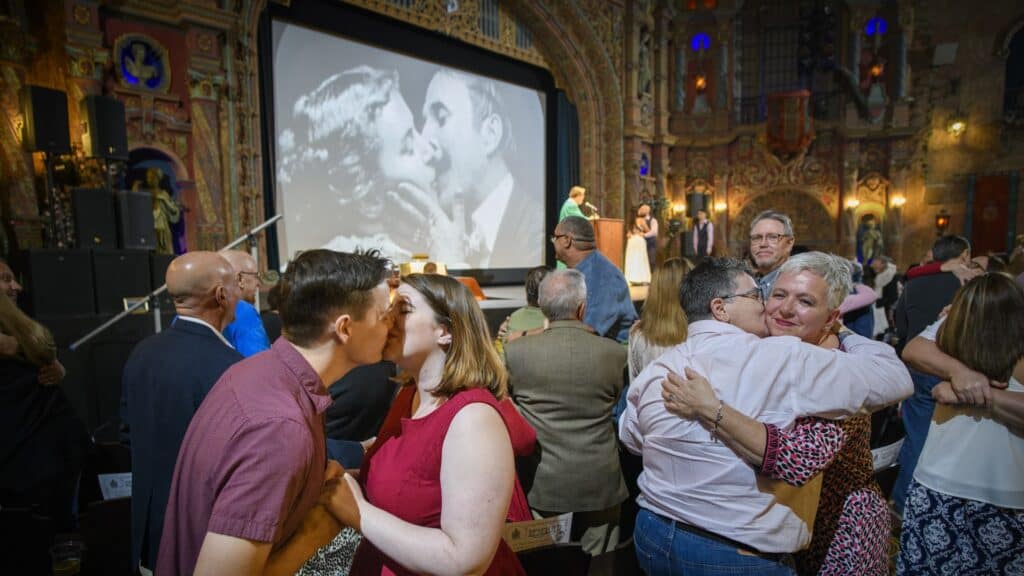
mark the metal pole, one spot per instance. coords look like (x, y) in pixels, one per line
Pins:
(74, 346)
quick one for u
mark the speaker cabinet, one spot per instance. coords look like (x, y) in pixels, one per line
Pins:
(119, 274)
(135, 220)
(46, 120)
(695, 202)
(59, 282)
(158, 264)
(105, 135)
(95, 224)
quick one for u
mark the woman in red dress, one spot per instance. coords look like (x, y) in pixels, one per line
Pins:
(438, 487)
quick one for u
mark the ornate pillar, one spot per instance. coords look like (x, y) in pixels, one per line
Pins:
(848, 199)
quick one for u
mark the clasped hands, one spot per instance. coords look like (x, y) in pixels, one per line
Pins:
(448, 242)
(966, 387)
(342, 495)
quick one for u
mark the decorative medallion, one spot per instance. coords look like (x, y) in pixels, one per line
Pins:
(82, 14)
(142, 63)
(205, 43)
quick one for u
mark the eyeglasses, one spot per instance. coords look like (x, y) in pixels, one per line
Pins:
(771, 238)
(557, 236)
(262, 277)
(754, 294)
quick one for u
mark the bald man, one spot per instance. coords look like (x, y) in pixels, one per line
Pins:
(166, 378)
(246, 332)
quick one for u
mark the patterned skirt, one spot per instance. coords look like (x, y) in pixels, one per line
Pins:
(949, 535)
(335, 559)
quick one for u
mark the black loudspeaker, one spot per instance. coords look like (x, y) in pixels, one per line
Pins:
(59, 282)
(105, 135)
(158, 264)
(95, 224)
(46, 120)
(695, 202)
(135, 220)
(119, 274)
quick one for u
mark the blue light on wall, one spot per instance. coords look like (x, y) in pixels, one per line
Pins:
(876, 26)
(700, 42)
(645, 164)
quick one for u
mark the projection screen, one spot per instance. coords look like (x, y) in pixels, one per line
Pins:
(376, 149)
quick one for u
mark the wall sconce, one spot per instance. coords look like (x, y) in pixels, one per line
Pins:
(721, 206)
(852, 203)
(678, 208)
(941, 222)
(700, 83)
(956, 126)
(897, 201)
(876, 70)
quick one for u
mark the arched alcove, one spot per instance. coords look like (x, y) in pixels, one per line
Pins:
(813, 226)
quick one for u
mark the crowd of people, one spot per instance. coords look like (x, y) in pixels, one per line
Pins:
(386, 432)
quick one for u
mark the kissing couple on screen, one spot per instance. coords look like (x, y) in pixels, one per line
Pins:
(445, 190)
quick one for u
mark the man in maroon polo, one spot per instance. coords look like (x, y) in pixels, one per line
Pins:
(253, 462)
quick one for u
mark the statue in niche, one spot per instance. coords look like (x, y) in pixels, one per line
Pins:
(165, 210)
(137, 66)
(644, 76)
(869, 239)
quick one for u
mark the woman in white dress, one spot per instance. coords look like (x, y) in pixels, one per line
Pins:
(637, 268)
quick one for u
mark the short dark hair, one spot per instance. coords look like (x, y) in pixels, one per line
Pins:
(321, 284)
(948, 247)
(533, 279)
(580, 228)
(712, 278)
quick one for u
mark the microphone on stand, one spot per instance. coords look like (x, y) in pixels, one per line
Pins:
(592, 208)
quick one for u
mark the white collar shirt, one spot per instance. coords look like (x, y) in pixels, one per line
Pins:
(689, 477)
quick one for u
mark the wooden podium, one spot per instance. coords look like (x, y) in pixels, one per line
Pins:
(609, 235)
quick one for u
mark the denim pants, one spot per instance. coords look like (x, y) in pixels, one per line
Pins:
(916, 412)
(664, 549)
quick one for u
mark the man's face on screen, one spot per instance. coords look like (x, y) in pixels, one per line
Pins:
(448, 124)
(403, 154)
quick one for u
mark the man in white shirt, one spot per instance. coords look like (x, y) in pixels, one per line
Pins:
(701, 504)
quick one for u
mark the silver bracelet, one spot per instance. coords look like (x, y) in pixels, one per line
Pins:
(718, 420)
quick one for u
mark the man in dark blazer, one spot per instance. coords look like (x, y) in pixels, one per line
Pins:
(565, 381)
(164, 381)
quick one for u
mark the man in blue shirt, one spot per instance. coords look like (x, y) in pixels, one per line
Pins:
(610, 310)
(246, 333)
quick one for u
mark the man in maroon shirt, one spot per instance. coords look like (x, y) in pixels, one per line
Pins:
(253, 462)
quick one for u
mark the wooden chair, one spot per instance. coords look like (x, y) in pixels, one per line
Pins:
(561, 559)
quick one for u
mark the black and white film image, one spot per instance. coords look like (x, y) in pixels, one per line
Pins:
(375, 149)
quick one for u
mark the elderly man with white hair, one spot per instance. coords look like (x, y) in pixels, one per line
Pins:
(565, 382)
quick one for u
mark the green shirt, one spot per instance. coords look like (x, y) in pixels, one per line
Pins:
(570, 208)
(525, 319)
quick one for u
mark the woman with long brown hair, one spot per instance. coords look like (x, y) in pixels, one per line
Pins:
(662, 322)
(965, 505)
(44, 441)
(438, 487)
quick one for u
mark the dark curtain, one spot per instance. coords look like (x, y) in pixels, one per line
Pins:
(567, 159)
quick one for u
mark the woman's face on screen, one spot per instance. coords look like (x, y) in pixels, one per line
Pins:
(403, 154)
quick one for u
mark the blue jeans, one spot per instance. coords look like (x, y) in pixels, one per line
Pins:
(663, 549)
(916, 412)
